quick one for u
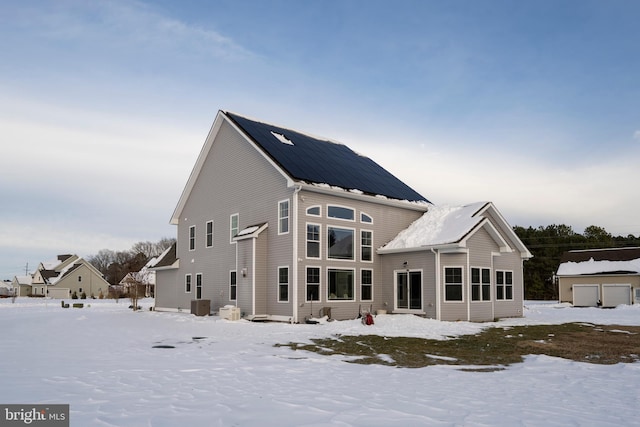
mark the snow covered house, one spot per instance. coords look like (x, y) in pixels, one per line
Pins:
(144, 279)
(288, 226)
(22, 285)
(66, 275)
(6, 288)
(600, 277)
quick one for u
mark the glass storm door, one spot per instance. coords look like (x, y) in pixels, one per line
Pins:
(409, 290)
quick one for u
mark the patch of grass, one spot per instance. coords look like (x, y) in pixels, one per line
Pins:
(490, 350)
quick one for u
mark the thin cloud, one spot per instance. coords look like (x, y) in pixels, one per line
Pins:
(131, 27)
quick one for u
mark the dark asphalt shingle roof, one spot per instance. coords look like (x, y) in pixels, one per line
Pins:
(318, 161)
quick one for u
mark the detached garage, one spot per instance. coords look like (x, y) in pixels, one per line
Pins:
(600, 277)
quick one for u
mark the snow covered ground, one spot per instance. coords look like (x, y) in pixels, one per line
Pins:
(100, 360)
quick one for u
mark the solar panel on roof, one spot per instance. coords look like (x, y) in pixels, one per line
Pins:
(319, 161)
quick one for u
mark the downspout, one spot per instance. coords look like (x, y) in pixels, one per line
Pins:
(438, 297)
(294, 220)
(468, 276)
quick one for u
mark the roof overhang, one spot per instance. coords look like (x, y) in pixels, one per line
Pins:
(251, 232)
(357, 195)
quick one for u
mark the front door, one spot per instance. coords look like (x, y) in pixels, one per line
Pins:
(409, 290)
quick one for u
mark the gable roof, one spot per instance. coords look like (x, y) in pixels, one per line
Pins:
(600, 261)
(451, 226)
(320, 161)
(167, 259)
(307, 160)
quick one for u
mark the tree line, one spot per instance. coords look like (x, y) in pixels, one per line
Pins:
(115, 265)
(547, 244)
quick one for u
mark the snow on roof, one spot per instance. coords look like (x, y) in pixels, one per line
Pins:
(24, 280)
(153, 261)
(592, 266)
(53, 280)
(439, 225)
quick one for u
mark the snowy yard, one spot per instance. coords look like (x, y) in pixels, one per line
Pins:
(100, 360)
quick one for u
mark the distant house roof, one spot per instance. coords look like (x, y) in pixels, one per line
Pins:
(600, 261)
(166, 259)
(320, 161)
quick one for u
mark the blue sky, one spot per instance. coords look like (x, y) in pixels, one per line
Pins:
(105, 105)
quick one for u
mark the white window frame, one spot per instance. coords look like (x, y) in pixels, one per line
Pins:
(364, 214)
(329, 206)
(188, 283)
(444, 283)
(208, 236)
(362, 284)
(504, 285)
(306, 284)
(284, 219)
(480, 284)
(362, 245)
(353, 244)
(307, 241)
(233, 286)
(319, 214)
(198, 286)
(232, 228)
(280, 284)
(353, 285)
(192, 238)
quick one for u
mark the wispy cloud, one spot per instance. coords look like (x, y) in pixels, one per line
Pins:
(132, 27)
(636, 135)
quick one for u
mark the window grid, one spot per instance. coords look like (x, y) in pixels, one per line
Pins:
(192, 238)
(453, 284)
(283, 284)
(209, 234)
(313, 284)
(283, 217)
(366, 285)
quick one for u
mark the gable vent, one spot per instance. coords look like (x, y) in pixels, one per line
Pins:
(280, 137)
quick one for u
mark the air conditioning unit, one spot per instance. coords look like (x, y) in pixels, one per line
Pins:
(229, 312)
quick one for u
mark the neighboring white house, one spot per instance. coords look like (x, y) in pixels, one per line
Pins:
(145, 279)
(22, 285)
(6, 288)
(67, 276)
(600, 277)
(285, 226)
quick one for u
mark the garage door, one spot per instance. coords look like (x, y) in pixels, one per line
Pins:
(614, 295)
(59, 293)
(585, 295)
